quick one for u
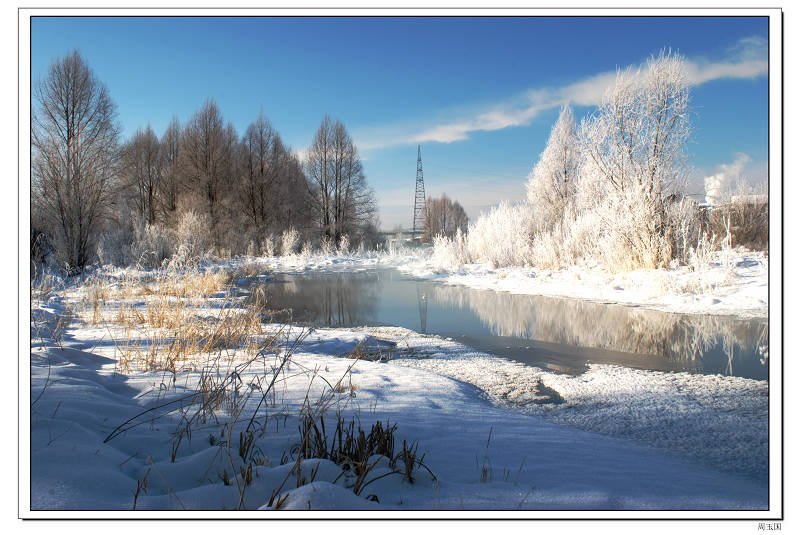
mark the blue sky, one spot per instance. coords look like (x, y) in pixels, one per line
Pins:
(479, 94)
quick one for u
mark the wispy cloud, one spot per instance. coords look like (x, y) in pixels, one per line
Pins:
(746, 59)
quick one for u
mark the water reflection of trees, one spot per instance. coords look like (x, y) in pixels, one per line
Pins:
(333, 300)
(684, 338)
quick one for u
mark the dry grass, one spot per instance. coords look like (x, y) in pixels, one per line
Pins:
(172, 319)
(192, 326)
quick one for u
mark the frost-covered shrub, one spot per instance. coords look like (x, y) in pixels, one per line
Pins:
(327, 247)
(700, 256)
(632, 230)
(192, 236)
(290, 239)
(268, 245)
(344, 245)
(683, 227)
(450, 253)
(152, 245)
(307, 250)
(143, 244)
(114, 247)
(573, 241)
(502, 237)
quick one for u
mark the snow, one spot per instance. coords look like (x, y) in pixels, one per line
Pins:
(621, 439)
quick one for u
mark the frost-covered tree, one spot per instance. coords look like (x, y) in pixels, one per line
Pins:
(634, 159)
(551, 185)
(74, 141)
(639, 133)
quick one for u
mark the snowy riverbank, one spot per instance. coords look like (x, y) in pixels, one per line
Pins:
(732, 283)
(620, 439)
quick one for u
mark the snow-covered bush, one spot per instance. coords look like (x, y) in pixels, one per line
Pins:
(114, 247)
(192, 236)
(268, 245)
(450, 253)
(307, 250)
(502, 237)
(144, 244)
(152, 245)
(683, 227)
(327, 247)
(344, 245)
(631, 231)
(700, 256)
(289, 242)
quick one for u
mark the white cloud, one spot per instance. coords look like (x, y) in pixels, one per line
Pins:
(746, 59)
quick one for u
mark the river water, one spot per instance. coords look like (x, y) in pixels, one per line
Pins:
(561, 335)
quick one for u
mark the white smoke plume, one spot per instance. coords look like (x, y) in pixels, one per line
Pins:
(719, 186)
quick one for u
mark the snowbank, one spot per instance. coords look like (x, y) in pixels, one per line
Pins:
(453, 402)
(732, 283)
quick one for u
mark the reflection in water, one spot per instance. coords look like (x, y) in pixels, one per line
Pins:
(678, 337)
(560, 334)
(422, 302)
(335, 300)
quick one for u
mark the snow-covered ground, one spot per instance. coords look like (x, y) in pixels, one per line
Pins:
(732, 283)
(618, 439)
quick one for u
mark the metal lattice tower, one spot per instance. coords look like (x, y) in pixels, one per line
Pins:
(419, 199)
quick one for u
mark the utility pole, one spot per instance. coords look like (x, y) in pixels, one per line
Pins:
(419, 200)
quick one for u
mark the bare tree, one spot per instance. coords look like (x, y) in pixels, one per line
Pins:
(342, 201)
(74, 137)
(142, 171)
(443, 217)
(295, 208)
(263, 167)
(207, 154)
(318, 163)
(170, 185)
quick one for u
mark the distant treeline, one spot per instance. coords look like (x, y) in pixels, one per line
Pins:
(200, 187)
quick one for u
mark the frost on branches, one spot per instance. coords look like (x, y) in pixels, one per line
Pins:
(551, 186)
(607, 193)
